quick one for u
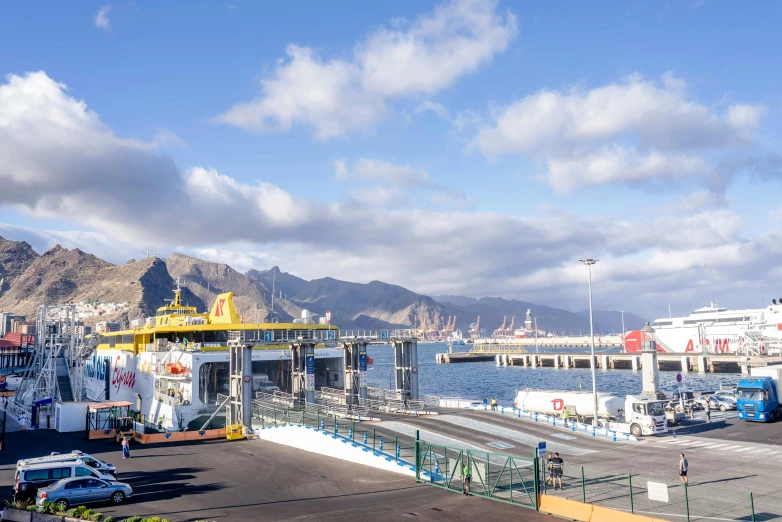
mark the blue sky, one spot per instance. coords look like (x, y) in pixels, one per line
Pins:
(451, 147)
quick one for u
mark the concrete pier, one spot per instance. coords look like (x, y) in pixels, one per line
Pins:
(700, 362)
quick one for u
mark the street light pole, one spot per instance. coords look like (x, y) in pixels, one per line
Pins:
(624, 347)
(589, 262)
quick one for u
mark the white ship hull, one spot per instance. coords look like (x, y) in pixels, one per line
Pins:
(182, 401)
(716, 330)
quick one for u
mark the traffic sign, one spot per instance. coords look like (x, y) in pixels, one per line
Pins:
(541, 449)
(246, 378)
(678, 377)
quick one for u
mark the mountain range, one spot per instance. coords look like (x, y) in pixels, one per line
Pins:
(61, 275)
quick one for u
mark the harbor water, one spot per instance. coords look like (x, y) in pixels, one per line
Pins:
(483, 380)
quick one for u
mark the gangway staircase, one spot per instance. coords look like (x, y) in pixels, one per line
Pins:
(64, 381)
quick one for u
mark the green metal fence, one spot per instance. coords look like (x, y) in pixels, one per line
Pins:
(499, 477)
(663, 498)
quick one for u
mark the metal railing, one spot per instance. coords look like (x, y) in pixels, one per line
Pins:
(662, 498)
(499, 477)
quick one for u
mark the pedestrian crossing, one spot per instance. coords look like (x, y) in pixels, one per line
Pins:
(719, 446)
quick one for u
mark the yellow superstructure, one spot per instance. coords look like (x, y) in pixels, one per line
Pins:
(176, 323)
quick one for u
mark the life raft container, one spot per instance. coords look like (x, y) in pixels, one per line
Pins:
(175, 368)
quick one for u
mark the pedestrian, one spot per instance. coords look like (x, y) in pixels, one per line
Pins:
(550, 479)
(558, 467)
(184, 341)
(707, 407)
(21, 421)
(126, 447)
(565, 414)
(493, 404)
(466, 479)
(683, 466)
(691, 409)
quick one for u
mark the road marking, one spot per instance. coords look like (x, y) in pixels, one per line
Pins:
(740, 449)
(505, 433)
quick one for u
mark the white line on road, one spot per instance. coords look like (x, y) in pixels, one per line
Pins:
(506, 433)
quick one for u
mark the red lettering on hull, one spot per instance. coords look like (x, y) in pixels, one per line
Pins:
(122, 377)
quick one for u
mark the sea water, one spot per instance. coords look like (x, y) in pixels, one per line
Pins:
(483, 380)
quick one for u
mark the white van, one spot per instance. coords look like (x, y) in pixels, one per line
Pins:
(29, 478)
(90, 461)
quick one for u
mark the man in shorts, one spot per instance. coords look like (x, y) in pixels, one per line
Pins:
(466, 479)
(683, 465)
(557, 468)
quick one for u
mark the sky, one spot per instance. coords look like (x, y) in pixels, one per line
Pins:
(461, 147)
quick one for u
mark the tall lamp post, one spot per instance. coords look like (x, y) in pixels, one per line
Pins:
(624, 346)
(589, 262)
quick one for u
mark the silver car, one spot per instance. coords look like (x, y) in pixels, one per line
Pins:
(81, 490)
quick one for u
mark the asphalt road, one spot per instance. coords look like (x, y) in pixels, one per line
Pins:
(257, 480)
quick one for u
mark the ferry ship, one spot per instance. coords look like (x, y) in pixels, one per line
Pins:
(172, 366)
(715, 329)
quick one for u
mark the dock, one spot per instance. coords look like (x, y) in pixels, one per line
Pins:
(696, 362)
(512, 344)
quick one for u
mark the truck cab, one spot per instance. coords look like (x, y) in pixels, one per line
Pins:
(757, 399)
(641, 417)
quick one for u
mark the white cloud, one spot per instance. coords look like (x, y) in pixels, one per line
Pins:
(630, 131)
(365, 169)
(655, 114)
(437, 108)
(339, 95)
(101, 19)
(616, 163)
(464, 119)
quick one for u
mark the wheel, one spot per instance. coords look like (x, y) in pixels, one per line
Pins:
(635, 429)
(723, 408)
(118, 497)
(63, 503)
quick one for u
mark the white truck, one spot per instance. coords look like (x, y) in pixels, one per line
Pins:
(261, 383)
(634, 414)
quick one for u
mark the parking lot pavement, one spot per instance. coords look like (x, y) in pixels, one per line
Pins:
(256, 480)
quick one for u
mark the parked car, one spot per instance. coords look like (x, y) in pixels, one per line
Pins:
(723, 402)
(718, 402)
(29, 479)
(78, 490)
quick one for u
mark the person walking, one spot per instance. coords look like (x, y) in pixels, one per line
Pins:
(707, 407)
(558, 468)
(493, 404)
(683, 466)
(565, 414)
(549, 466)
(126, 447)
(466, 480)
(22, 420)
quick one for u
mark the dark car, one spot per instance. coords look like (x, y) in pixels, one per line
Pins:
(77, 491)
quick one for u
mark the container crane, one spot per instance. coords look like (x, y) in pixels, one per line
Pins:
(499, 332)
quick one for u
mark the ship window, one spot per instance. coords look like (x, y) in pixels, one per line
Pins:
(112, 341)
(663, 323)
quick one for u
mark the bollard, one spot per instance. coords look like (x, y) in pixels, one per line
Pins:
(380, 447)
(583, 486)
(398, 451)
(359, 417)
(630, 479)
(366, 436)
(573, 427)
(518, 413)
(752, 505)
(336, 427)
(553, 421)
(687, 501)
(322, 424)
(416, 411)
(484, 407)
(536, 417)
(593, 431)
(350, 433)
(502, 410)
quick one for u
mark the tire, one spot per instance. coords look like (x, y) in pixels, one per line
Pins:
(723, 408)
(118, 497)
(63, 502)
(635, 430)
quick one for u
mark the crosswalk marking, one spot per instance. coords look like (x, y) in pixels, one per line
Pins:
(742, 449)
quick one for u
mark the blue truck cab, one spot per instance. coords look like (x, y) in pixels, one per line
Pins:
(757, 399)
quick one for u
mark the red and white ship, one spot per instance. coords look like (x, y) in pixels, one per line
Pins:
(714, 329)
